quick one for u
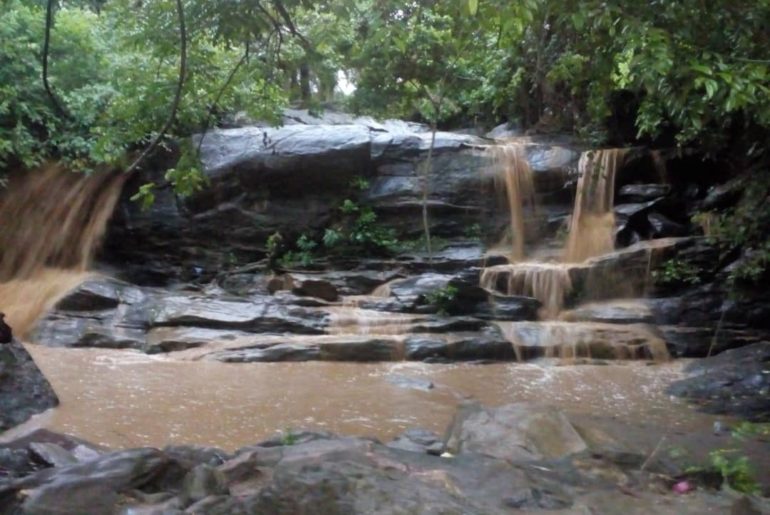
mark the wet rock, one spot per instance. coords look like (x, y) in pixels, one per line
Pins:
(52, 454)
(292, 179)
(662, 227)
(359, 476)
(412, 292)
(480, 347)
(724, 195)
(700, 342)
(507, 308)
(93, 295)
(419, 348)
(736, 382)
(188, 456)
(311, 287)
(218, 505)
(173, 339)
(552, 156)
(455, 258)
(337, 349)
(100, 313)
(361, 350)
(418, 440)
(90, 487)
(88, 329)
(258, 315)
(632, 217)
(274, 353)
(359, 282)
(613, 312)
(635, 193)
(410, 383)
(24, 391)
(244, 284)
(516, 432)
(440, 325)
(201, 482)
(533, 340)
(536, 499)
(505, 131)
(15, 463)
(287, 439)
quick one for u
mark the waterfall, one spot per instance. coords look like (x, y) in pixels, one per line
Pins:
(513, 174)
(591, 230)
(550, 283)
(592, 227)
(52, 222)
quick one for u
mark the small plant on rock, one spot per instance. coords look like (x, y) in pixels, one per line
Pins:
(676, 272)
(303, 255)
(443, 299)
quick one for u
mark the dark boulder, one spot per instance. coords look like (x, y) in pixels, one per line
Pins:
(643, 192)
(736, 383)
(662, 227)
(24, 391)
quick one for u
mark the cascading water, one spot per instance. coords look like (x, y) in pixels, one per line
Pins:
(592, 226)
(52, 223)
(548, 282)
(513, 174)
(591, 230)
(591, 234)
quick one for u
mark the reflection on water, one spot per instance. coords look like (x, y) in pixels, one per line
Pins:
(124, 398)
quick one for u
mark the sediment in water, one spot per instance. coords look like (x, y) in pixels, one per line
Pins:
(514, 176)
(53, 221)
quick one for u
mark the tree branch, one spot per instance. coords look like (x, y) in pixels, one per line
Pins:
(221, 91)
(177, 96)
(46, 50)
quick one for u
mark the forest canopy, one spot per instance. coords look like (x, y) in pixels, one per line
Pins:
(666, 72)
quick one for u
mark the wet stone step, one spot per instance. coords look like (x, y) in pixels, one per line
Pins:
(556, 339)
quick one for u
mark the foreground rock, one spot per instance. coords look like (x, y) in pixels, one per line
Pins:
(517, 432)
(24, 391)
(736, 382)
(518, 458)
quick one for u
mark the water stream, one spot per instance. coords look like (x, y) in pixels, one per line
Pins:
(126, 398)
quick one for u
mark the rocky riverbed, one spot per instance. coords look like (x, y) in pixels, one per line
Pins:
(189, 330)
(516, 458)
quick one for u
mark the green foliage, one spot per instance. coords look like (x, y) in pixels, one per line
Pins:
(443, 299)
(359, 231)
(289, 437)
(745, 430)
(419, 245)
(332, 238)
(695, 74)
(114, 73)
(473, 232)
(743, 228)
(145, 196)
(349, 207)
(735, 469)
(360, 183)
(677, 272)
(304, 255)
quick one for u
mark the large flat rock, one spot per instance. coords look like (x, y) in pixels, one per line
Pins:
(516, 432)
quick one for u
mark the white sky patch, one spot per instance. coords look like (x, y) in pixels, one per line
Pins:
(343, 83)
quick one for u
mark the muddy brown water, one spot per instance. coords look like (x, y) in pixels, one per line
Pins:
(126, 399)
